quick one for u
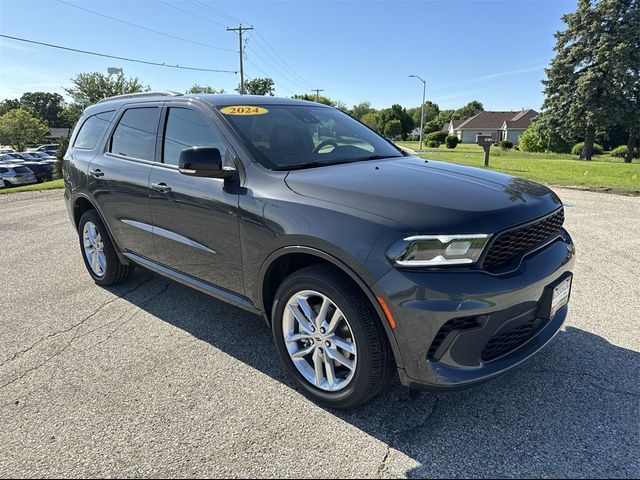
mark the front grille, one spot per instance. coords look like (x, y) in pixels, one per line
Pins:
(513, 242)
(505, 342)
(462, 323)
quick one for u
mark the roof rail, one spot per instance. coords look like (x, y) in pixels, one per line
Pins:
(162, 93)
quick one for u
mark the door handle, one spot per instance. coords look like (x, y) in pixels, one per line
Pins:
(161, 187)
(97, 172)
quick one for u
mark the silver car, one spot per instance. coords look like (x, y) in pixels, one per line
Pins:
(12, 175)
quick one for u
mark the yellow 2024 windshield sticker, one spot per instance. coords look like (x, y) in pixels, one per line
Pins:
(244, 110)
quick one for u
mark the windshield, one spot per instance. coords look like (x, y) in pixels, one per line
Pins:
(286, 137)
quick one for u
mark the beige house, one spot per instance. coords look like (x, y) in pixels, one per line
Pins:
(500, 125)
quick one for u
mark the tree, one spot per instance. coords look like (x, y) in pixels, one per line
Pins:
(19, 127)
(205, 89)
(9, 104)
(95, 86)
(358, 111)
(47, 106)
(392, 128)
(312, 98)
(70, 115)
(584, 91)
(372, 120)
(469, 110)
(258, 86)
(431, 111)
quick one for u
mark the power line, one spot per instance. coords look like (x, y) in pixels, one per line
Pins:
(146, 28)
(285, 64)
(218, 12)
(97, 54)
(292, 81)
(265, 73)
(191, 13)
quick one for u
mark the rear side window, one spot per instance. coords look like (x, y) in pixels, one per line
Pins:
(21, 170)
(135, 135)
(4, 170)
(187, 128)
(92, 130)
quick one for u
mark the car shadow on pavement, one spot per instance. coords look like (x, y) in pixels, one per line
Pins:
(571, 411)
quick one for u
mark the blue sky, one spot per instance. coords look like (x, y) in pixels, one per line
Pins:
(492, 51)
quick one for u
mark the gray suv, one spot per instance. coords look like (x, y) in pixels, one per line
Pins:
(364, 261)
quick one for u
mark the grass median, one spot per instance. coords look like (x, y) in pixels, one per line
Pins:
(50, 185)
(603, 173)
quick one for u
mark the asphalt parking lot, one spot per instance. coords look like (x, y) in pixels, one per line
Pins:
(151, 378)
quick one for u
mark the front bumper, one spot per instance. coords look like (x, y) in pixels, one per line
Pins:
(459, 327)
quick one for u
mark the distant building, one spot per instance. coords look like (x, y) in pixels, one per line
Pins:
(56, 134)
(500, 125)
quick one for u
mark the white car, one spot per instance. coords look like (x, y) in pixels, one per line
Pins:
(13, 174)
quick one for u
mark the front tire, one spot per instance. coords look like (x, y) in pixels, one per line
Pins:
(98, 252)
(330, 338)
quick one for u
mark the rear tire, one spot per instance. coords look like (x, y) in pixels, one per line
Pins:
(359, 331)
(98, 252)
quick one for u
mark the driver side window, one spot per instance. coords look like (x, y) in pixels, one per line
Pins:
(186, 128)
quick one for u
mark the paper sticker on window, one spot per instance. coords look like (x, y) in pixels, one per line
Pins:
(244, 110)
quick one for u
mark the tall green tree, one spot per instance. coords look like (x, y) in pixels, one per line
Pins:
(9, 104)
(70, 115)
(258, 86)
(393, 127)
(45, 105)
(95, 86)
(359, 110)
(20, 127)
(195, 88)
(583, 90)
(469, 110)
(431, 111)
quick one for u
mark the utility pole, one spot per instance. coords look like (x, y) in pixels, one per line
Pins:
(239, 31)
(317, 90)
(424, 87)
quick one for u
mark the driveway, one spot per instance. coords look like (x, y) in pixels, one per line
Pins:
(151, 378)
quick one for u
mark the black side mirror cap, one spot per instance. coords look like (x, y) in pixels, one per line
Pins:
(203, 162)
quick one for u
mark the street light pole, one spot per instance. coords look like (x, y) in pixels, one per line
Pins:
(424, 87)
(113, 71)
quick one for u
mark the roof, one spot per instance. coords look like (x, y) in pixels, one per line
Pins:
(456, 123)
(58, 133)
(496, 120)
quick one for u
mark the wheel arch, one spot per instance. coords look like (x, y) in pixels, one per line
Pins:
(295, 257)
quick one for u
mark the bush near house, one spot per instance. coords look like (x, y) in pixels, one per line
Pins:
(505, 144)
(438, 137)
(578, 147)
(621, 152)
(451, 141)
(432, 144)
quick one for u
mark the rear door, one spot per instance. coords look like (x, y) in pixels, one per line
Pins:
(119, 177)
(195, 219)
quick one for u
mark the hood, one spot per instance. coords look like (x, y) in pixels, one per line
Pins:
(427, 196)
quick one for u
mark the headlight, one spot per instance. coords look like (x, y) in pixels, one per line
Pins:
(437, 250)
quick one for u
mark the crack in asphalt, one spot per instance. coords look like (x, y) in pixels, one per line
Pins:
(76, 326)
(588, 375)
(384, 465)
(67, 330)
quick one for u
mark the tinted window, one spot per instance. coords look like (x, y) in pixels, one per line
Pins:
(21, 170)
(187, 128)
(299, 136)
(92, 130)
(135, 135)
(4, 170)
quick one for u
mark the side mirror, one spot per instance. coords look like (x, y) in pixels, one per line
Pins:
(203, 162)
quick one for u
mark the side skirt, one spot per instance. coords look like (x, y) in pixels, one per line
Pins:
(217, 292)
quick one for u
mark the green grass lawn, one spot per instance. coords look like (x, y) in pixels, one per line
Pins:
(35, 186)
(603, 173)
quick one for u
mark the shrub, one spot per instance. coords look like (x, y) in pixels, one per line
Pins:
(621, 152)
(531, 141)
(432, 144)
(577, 149)
(451, 141)
(438, 137)
(506, 144)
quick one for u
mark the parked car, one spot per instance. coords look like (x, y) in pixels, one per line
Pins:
(364, 261)
(50, 148)
(13, 175)
(42, 170)
(44, 157)
(6, 158)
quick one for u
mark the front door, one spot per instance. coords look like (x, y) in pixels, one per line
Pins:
(196, 228)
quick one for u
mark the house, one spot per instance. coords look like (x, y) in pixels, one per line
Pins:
(56, 134)
(500, 125)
